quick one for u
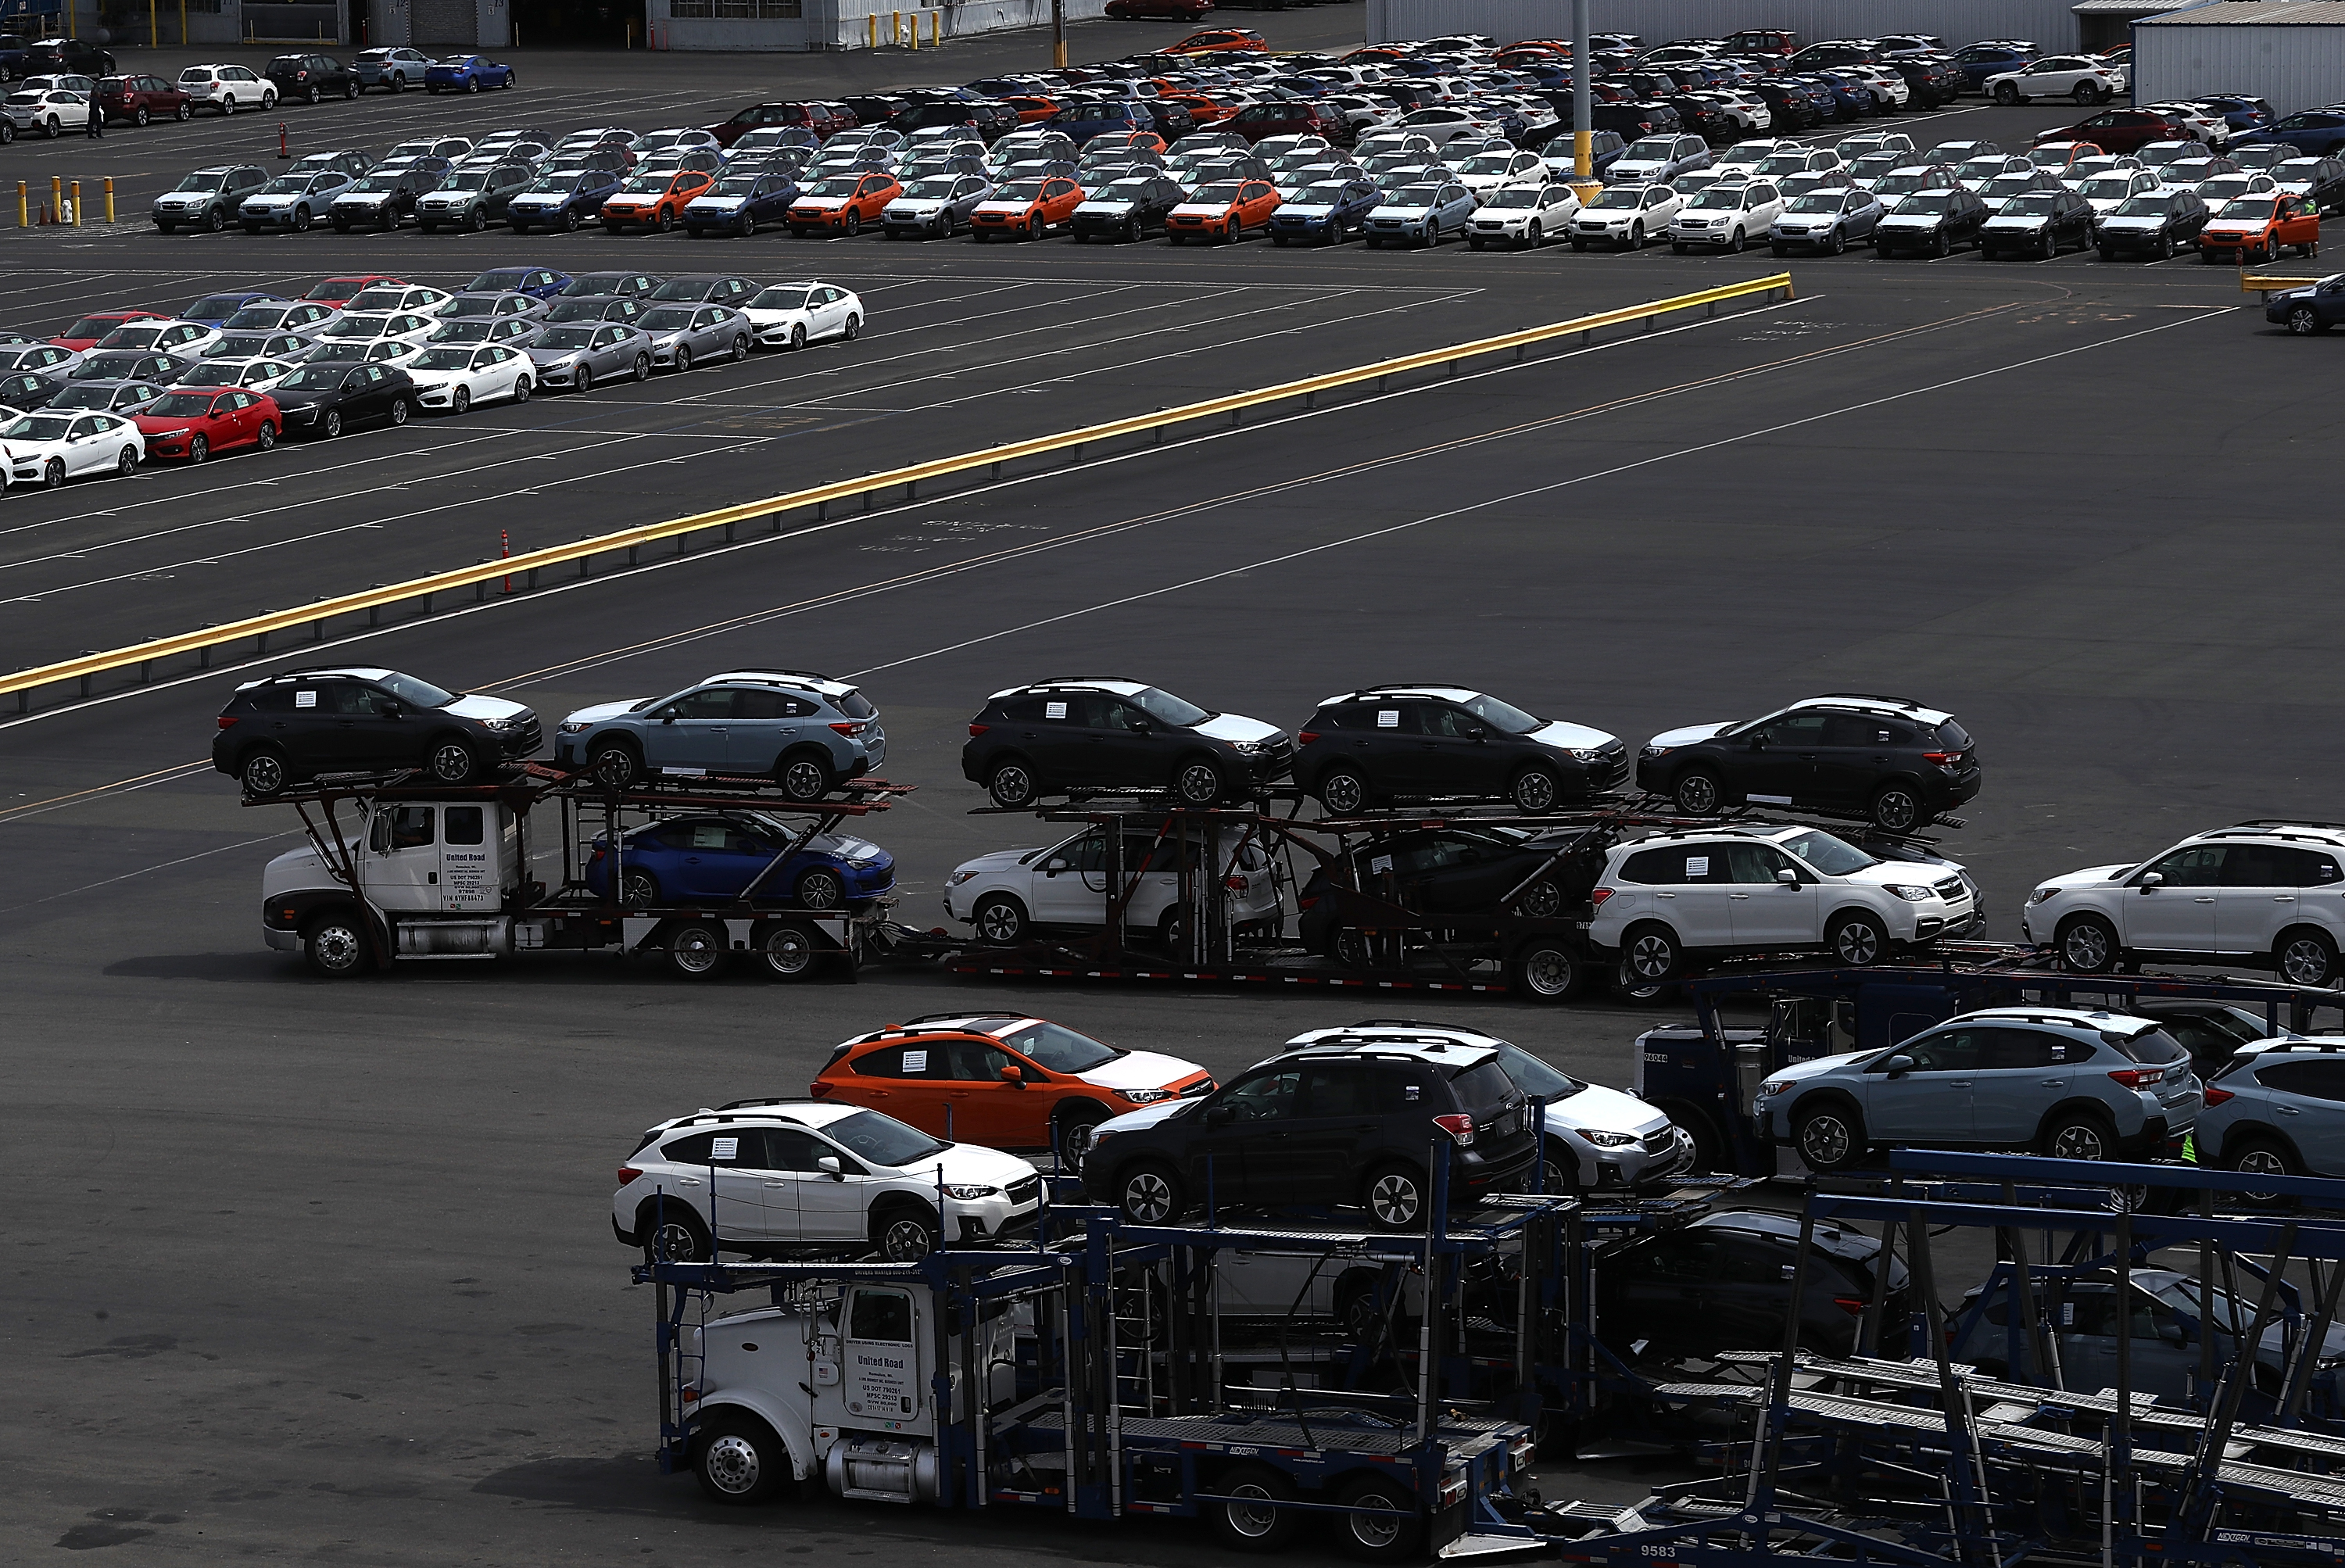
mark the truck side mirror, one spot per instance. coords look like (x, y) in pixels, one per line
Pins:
(828, 1165)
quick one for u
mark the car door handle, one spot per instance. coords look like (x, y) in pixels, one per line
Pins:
(777, 1184)
(956, 1094)
(2287, 1110)
(1744, 896)
(2204, 899)
(2283, 898)
(1665, 895)
(688, 1181)
(2051, 1083)
(1959, 1084)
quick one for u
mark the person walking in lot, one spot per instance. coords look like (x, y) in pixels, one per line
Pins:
(96, 127)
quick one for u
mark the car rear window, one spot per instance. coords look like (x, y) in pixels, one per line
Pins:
(2151, 1047)
(855, 704)
(1952, 736)
(1484, 1090)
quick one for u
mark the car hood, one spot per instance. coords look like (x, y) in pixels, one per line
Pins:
(934, 203)
(1801, 1071)
(1307, 209)
(282, 199)
(823, 200)
(1605, 1110)
(969, 1163)
(474, 705)
(1237, 726)
(1144, 1117)
(2091, 876)
(1085, 206)
(1893, 218)
(1691, 733)
(1571, 736)
(1396, 208)
(2019, 221)
(1140, 1070)
(717, 202)
(2136, 221)
(999, 860)
(602, 710)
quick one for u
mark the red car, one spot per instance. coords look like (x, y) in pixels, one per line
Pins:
(2121, 130)
(1290, 117)
(85, 332)
(342, 291)
(820, 118)
(1170, 10)
(141, 97)
(194, 423)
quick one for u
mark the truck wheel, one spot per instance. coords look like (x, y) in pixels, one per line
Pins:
(999, 919)
(789, 951)
(1395, 1197)
(263, 773)
(614, 766)
(906, 1234)
(738, 1459)
(452, 763)
(821, 890)
(1254, 1523)
(1388, 1527)
(335, 946)
(1829, 1138)
(804, 776)
(696, 949)
(1547, 971)
(1151, 1194)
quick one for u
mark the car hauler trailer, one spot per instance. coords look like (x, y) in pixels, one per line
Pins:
(422, 871)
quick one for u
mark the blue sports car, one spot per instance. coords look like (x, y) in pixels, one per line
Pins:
(466, 74)
(716, 858)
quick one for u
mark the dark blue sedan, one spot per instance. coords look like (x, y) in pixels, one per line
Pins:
(718, 857)
(562, 200)
(1325, 214)
(466, 74)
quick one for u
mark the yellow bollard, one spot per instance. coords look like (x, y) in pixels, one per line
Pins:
(76, 204)
(871, 26)
(110, 198)
(894, 29)
(23, 206)
(936, 29)
(916, 32)
(56, 199)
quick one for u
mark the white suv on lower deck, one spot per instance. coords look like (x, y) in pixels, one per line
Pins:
(2267, 894)
(1771, 890)
(1011, 895)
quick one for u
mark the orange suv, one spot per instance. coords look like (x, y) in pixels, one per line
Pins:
(653, 200)
(1225, 209)
(842, 203)
(1026, 206)
(1220, 41)
(2263, 224)
(1002, 1079)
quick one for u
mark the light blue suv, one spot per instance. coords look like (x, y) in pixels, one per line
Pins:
(806, 732)
(2072, 1084)
(2279, 1109)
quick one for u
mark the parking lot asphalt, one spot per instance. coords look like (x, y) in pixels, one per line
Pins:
(323, 1270)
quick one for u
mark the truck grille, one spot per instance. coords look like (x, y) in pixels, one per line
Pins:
(1024, 1192)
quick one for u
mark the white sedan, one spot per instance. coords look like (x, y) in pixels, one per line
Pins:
(48, 449)
(790, 315)
(455, 378)
(390, 298)
(1727, 216)
(49, 111)
(1524, 217)
(404, 328)
(249, 376)
(180, 339)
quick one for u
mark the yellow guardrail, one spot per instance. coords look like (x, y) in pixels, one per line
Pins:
(2260, 283)
(201, 642)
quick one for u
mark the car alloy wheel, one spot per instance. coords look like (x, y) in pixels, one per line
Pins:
(582, 381)
(1895, 810)
(1857, 940)
(643, 367)
(907, 1239)
(1698, 794)
(182, 114)
(266, 438)
(1395, 1198)
(2077, 1139)
(2304, 321)
(198, 449)
(675, 1241)
(139, 116)
(263, 773)
(821, 891)
(1652, 955)
(1011, 784)
(453, 762)
(461, 400)
(639, 890)
(472, 84)
(999, 920)
(317, 94)
(1341, 791)
(2261, 1159)
(1534, 790)
(1825, 1140)
(797, 336)
(2308, 958)
(1542, 901)
(1531, 236)
(401, 409)
(853, 223)
(128, 462)
(1637, 234)
(683, 357)
(2089, 946)
(853, 330)
(1149, 1196)
(1197, 782)
(333, 425)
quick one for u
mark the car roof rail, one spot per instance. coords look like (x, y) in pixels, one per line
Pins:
(770, 1100)
(963, 1012)
(2290, 822)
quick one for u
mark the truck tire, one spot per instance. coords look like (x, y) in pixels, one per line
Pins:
(262, 773)
(1547, 971)
(335, 945)
(739, 1459)
(1248, 1525)
(1389, 1529)
(696, 949)
(787, 950)
(906, 1233)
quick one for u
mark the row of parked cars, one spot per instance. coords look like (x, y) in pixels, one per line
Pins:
(246, 368)
(59, 84)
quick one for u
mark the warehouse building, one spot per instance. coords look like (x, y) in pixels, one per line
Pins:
(2289, 51)
(2051, 22)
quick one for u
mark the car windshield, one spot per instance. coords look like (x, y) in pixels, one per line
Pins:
(2255, 208)
(1833, 857)
(2004, 186)
(409, 149)
(666, 319)
(2299, 170)
(2031, 204)
(464, 331)
(2108, 187)
(1520, 195)
(1899, 184)
(736, 185)
(359, 327)
(643, 185)
(217, 307)
(1652, 149)
(1220, 193)
(338, 355)
(181, 405)
(286, 185)
(1815, 201)
(38, 427)
(1498, 162)
(413, 692)
(2224, 188)
(1166, 709)
(1534, 1077)
(2263, 157)
(556, 185)
(313, 378)
(1505, 717)
(1979, 169)
(1927, 201)
(1060, 1049)
(470, 305)
(445, 359)
(1620, 196)
(780, 296)
(1874, 164)
(205, 376)
(103, 396)
(141, 337)
(1019, 190)
(199, 182)
(882, 1140)
(567, 338)
(837, 185)
(467, 180)
(2149, 206)
(1127, 190)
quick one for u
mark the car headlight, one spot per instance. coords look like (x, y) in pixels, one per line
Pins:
(957, 878)
(501, 723)
(1910, 894)
(970, 1190)
(2039, 895)
(1657, 750)
(1144, 1096)
(169, 435)
(1247, 747)
(1582, 754)
(1604, 1140)
(574, 726)
(1780, 1086)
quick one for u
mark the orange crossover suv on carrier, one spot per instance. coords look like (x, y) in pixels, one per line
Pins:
(653, 200)
(1026, 206)
(842, 203)
(1002, 1079)
(1225, 209)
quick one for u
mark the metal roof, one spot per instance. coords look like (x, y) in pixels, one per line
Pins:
(2134, 7)
(2254, 13)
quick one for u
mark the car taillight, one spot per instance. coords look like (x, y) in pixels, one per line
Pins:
(627, 1174)
(1942, 758)
(1599, 895)
(1458, 1127)
(2139, 1077)
(1306, 737)
(1236, 882)
(850, 729)
(1851, 1305)
(2217, 1096)
(977, 730)
(228, 720)
(818, 1089)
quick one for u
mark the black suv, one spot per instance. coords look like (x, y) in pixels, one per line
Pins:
(67, 57)
(1899, 763)
(1060, 735)
(1386, 741)
(1341, 1124)
(1933, 78)
(1724, 1283)
(989, 119)
(312, 77)
(358, 719)
(1468, 871)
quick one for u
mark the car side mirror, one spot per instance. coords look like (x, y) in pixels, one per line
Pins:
(1054, 868)
(2152, 880)
(828, 1165)
(1142, 729)
(2170, 1332)
(667, 718)
(1477, 732)
(1220, 1115)
(1014, 1075)
(1788, 877)
(1897, 1066)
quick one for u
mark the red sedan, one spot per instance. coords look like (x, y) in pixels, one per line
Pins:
(194, 423)
(85, 332)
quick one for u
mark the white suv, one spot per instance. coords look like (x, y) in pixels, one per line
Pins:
(2268, 894)
(1010, 894)
(1771, 890)
(768, 1177)
(227, 88)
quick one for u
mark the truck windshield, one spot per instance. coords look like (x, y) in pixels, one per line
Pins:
(882, 1140)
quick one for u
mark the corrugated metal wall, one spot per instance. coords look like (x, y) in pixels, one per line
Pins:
(446, 22)
(2296, 68)
(1958, 22)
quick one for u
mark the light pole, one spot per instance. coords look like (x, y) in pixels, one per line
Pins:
(1058, 35)
(1583, 74)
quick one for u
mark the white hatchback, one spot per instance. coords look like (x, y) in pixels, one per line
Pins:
(773, 1177)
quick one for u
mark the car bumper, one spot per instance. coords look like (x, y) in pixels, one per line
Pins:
(280, 219)
(1667, 1154)
(985, 1220)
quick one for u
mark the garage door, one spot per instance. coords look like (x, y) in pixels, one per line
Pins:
(446, 21)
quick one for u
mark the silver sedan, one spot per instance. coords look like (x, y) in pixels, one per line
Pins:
(577, 354)
(683, 335)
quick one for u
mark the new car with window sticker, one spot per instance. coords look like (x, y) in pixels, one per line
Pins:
(573, 356)
(383, 199)
(805, 731)
(324, 400)
(1626, 217)
(685, 335)
(729, 856)
(194, 423)
(790, 315)
(1900, 763)
(653, 201)
(935, 206)
(453, 378)
(2057, 1081)
(49, 448)
(1057, 734)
